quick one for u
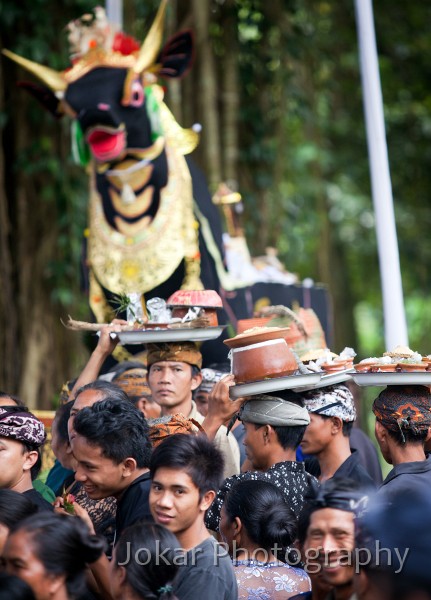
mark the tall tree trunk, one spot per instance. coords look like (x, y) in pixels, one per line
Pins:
(230, 96)
(207, 91)
(8, 317)
(174, 85)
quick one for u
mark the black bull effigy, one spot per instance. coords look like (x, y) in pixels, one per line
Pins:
(144, 235)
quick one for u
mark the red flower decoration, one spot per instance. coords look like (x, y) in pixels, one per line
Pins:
(125, 44)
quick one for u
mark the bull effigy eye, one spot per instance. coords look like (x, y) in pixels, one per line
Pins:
(137, 96)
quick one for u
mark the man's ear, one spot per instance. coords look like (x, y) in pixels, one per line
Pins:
(380, 431)
(207, 500)
(196, 380)
(337, 425)
(30, 460)
(129, 467)
(54, 583)
(268, 433)
(141, 404)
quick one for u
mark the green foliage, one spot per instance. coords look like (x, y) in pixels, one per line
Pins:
(302, 100)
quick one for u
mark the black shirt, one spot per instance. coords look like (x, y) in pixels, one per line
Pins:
(406, 477)
(133, 505)
(367, 454)
(206, 572)
(38, 499)
(353, 469)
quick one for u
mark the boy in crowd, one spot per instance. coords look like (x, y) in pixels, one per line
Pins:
(112, 448)
(186, 471)
(327, 437)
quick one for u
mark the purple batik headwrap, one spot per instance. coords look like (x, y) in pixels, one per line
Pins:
(22, 426)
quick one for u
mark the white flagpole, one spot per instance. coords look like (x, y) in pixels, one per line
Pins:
(390, 273)
(114, 12)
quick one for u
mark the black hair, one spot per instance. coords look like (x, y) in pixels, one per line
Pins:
(36, 468)
(289, 436)
(15, 399)
(147, 575)
(223, 367)
(64, 546)
(347, 425)
(62, 416)
(263, 512)
(118, 428)
(14, 588)
(407, 436)
(195, 370)
(106, 389)
(124, 366)
(195, 455)
(327, 493)
(14, 507)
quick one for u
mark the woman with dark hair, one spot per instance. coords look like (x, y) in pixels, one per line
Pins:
(50, 553)
(14, 507)
(143, 565)
(255, 522)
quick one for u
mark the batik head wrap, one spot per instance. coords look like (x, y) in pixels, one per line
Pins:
(331, 401)
(182, 352)
(133, 382)
(209, 378)
(402, 408)
(329, 495)
(22, 426)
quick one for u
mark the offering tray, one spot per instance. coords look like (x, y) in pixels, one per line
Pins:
(274, 384)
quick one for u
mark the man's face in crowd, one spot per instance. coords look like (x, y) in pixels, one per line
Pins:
(331, 535)
(201, 399)
(21, 560)
(255, 449)
(147, 406)
(172, 383)
(15, 463)
(174, 500)
(317, 434)
(100, 476)
(83, 400)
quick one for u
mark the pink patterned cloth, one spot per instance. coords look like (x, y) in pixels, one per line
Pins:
(22, 426)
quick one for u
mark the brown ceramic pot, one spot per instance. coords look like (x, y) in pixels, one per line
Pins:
(264, 360)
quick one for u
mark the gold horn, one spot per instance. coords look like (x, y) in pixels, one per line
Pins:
(53, 79)
(153, 41)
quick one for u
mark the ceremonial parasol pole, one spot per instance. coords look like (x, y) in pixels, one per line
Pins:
(114, 12)
(390, 273)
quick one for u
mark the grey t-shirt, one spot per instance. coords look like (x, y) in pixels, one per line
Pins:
(206, 572)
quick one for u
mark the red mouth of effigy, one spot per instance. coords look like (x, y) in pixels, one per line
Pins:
(106, 143)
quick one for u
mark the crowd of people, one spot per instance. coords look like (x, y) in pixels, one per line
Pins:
(165, 488)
